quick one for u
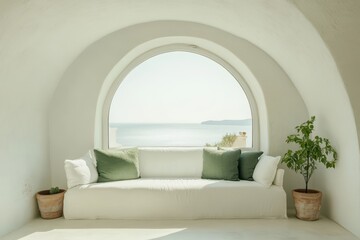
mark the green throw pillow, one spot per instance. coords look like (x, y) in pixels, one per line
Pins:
(117, 164)
(247, 164)
(221, 164)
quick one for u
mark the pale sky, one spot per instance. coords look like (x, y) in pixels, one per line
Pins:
(178, 87)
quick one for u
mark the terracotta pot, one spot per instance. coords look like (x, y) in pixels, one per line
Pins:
(50, 205)
(307, 205)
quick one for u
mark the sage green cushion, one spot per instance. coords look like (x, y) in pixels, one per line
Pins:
(117, 164)
(247, 164)
(221, 164)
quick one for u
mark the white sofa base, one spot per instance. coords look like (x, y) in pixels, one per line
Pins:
(171, 187)
(147, 198)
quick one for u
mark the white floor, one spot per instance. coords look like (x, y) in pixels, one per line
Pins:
(291, 228)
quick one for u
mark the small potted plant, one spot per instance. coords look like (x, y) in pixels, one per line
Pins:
(50, 202)
(311, 150)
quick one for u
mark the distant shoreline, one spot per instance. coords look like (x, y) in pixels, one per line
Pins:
(228, 122)
(173, 134)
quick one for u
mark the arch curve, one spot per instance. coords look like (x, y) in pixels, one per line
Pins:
(171, 44)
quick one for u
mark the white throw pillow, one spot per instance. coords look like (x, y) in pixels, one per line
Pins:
(265, 170)
(80, 171)
(89, 158)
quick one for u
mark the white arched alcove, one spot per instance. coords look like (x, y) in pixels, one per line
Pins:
(187, 44)
(78, 102)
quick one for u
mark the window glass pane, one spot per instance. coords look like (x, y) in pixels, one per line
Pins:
(180, 99)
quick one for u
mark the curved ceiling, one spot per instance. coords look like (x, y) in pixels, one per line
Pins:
(33, 32)
(41, 28)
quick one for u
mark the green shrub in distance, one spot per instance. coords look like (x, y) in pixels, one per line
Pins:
(226, 141)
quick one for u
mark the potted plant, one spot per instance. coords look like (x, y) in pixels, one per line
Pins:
(311, 151)
(50, 202)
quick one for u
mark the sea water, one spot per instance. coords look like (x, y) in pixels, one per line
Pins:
(174, 134)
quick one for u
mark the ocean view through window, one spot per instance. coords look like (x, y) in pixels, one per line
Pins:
(180, 99)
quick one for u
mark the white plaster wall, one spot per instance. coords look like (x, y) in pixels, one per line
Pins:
(25, 166)
(39, 40)
(323, 91)
(338, 23)
(24, 158)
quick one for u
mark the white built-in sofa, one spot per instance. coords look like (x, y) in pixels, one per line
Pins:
(171, 187)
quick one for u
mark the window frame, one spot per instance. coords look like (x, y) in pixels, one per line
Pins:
(182, 48)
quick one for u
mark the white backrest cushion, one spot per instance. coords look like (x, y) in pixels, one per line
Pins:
(170, 162)
(265, 170)
(81, 171)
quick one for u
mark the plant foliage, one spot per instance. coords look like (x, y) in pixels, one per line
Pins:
(311, 150)
(54, 190)
(226, 141)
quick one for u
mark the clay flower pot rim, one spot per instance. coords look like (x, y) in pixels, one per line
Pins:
(47, 192)
(302, 190)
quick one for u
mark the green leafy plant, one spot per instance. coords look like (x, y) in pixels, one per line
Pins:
(311, 150)
(54, 190)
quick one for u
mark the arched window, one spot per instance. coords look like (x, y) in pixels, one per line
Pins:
(180, 99)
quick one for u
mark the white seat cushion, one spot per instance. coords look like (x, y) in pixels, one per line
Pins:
(174, 199)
